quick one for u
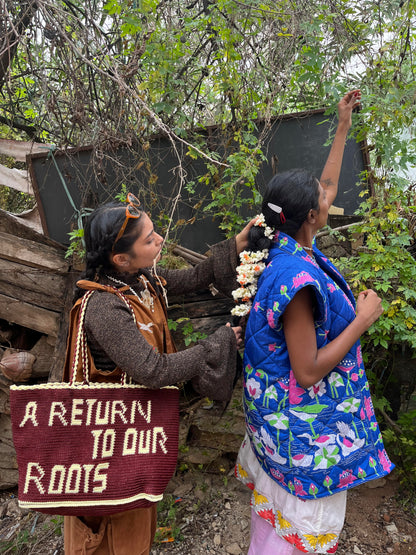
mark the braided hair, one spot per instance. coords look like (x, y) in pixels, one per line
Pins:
(100, 232)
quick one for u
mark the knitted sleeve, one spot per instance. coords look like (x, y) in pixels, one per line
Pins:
(219, 269)
(115, 340)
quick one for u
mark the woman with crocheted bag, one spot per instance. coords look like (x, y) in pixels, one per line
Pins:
(311, 433)
(122, 249)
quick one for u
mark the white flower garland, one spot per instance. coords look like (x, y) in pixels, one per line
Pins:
(248, 272)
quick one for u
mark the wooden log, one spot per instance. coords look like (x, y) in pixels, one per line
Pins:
(5, 384)
(29, 316)
(38, 299)
(55, 374)
(9, 475)
(199, 309)
(179, 249)
(6, 429)
(188, 255)
(14, 226)
(32, 279)
(210, 324)
(32, 285)
(4, 402)
(44, 352)
(16, 179)
(20, 149)
(205, 295)
(32, 254)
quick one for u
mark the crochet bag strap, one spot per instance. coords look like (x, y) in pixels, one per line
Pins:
(81, 349)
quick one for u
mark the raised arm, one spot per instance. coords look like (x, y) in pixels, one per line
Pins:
(332, 169)
(219, 269)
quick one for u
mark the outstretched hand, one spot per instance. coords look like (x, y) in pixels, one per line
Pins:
(346, 105)
(238, 332)
(242, 238)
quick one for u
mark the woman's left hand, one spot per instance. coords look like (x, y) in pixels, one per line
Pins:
(346, 105)
(242, 238)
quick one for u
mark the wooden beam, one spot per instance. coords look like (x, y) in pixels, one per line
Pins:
(28, 278)
(32, 254)
(14, 225)
(35, 298)
(56, 370)
(200, 309)
(29, 316)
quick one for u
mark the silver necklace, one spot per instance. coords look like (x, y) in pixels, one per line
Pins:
(122, 283)
(145, 296)
(308, 249)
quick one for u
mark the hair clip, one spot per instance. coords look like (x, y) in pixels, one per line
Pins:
(278, 210)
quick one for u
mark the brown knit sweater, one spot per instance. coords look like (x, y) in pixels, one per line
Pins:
(115, 340)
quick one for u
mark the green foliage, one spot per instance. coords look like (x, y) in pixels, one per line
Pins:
(14, 201)
(168, 529)
(233, 189)
(172, 262)
(31, 534)
(184, 325)
(16, 544)
(111, 73)
(385, 264)
(400, 442)
(58, 524)
(121, 196)
(76, 246)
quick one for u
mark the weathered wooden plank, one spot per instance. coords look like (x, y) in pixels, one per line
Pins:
(14, 225)
(196, 296)
(210, 324)
(4, 402)
(37, 280)
(16, 179)
(43, 300)
(20, 149)
(31, 253)
(199, 309)
(55, 374)
(44, 352)
(29, 316)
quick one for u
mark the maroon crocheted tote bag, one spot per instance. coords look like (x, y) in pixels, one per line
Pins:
(93, 448)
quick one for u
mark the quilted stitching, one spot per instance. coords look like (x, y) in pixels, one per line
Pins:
(318, 441)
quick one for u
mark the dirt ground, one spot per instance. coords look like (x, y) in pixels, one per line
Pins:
(209, 514)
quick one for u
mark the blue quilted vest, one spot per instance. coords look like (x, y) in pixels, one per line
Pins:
(317, 441)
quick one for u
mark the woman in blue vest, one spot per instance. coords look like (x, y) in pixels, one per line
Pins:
(311, 432)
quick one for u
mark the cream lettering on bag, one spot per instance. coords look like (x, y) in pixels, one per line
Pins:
(93, 413)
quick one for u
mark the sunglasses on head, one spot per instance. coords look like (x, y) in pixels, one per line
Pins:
(132, 211)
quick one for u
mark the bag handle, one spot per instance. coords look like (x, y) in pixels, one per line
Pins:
(81, 349)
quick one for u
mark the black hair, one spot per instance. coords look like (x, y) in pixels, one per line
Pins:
(100, 232)
(296, 192)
